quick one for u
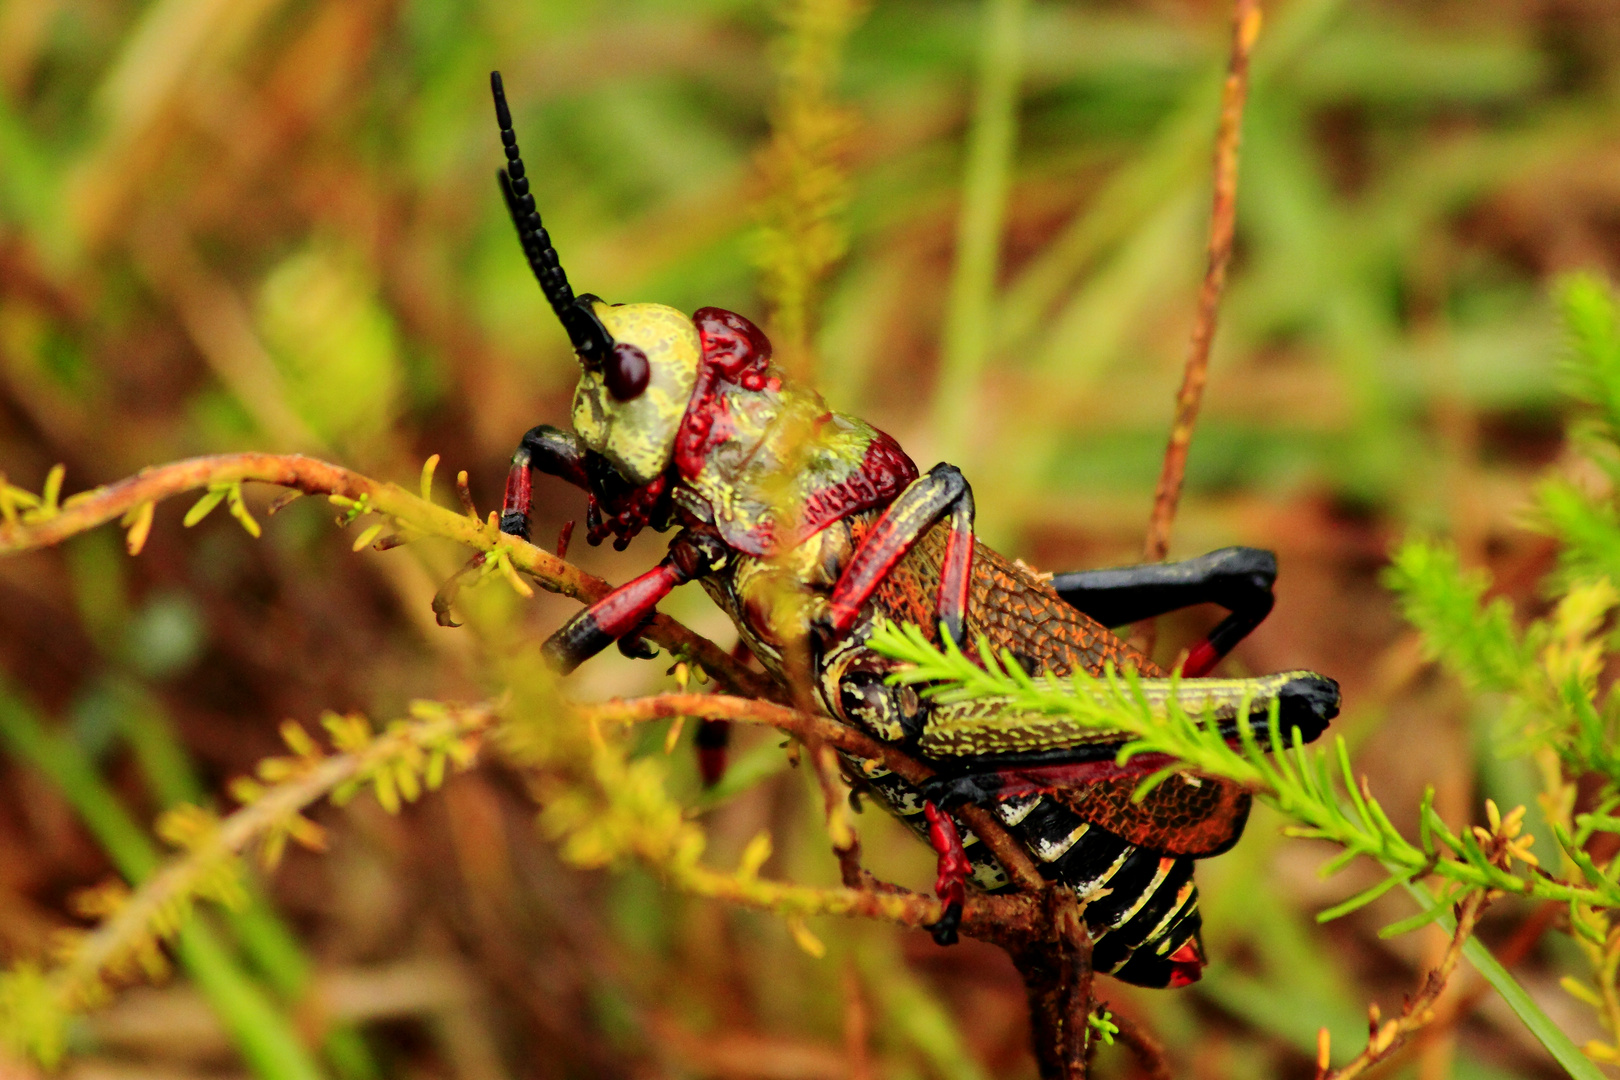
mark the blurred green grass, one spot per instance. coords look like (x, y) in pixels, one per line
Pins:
(273, 224)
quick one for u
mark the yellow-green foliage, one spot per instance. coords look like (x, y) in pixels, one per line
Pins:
(409, 755)
(1547, 672)
(806, 188)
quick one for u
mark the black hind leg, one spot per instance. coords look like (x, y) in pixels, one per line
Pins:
(1238, 579)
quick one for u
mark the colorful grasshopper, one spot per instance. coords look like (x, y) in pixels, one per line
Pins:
(809, 527)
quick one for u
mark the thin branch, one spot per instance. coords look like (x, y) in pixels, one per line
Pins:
(1384, 1037)
(152, 903)
(989, 918)
(1149, 1054)
(1166, 497)
(806, 727)
(1057, 978)
(43, 526)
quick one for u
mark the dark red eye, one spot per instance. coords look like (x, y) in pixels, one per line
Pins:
(731, 343)
(627, 371)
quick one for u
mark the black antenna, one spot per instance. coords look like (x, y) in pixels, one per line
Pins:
(591, 340)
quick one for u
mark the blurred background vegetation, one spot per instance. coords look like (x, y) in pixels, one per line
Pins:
(272, 224)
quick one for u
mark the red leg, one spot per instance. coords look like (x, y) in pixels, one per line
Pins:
(609, 619)
(713, 737)
(692, 554)
(951, 883)
(896, 532)
(551, 450)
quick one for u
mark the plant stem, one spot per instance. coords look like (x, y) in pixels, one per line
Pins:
(266, 1037)
(269, 944)
(1549, 1034)
(87, 509)
(1419, 1010)
(1223, 213)
(1057, 980)
(1012, 856)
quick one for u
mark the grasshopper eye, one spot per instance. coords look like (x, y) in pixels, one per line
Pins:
(627, 372)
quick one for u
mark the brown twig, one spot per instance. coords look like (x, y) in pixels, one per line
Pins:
(1057, 979)
(1149, 1054)
(1510, 954)
(1384, 1037)
(37, 528)
(857, 1027)
(809, 726)
(1166, 497)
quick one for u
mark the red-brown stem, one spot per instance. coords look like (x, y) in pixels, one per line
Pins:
(1166, 497)
(1385, 1037)
(1149, 1054)
(807, 727)
(88, 509)
(1057, 980)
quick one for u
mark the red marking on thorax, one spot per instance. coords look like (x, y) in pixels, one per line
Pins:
(884, 473)
(735, 351)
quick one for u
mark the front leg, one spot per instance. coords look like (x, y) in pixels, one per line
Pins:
(551, 450)
(694, 553)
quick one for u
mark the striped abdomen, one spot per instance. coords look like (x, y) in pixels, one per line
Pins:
(1140, 907)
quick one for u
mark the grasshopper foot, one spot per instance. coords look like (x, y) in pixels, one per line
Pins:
(945, 929)
(951, 883)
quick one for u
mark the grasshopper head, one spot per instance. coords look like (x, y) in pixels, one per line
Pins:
(640, 360)
(628, 408)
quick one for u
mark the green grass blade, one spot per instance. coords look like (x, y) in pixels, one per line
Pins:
(991, 140)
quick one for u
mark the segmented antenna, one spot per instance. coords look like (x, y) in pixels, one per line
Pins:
(591, 340)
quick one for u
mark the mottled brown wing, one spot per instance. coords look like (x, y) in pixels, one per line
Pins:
(1014, 608)
(1184, 815)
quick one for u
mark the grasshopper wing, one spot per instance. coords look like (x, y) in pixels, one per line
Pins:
(1184, 814)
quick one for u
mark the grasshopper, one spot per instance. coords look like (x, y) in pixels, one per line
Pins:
(810, 527)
